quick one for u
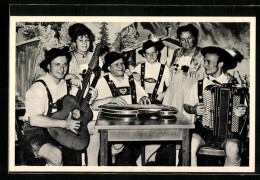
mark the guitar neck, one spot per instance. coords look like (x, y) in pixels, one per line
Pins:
(86, 100)
(85, 82)
(92, 64)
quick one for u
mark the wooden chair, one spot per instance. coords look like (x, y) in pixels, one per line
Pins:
(219, 154)
(210, 156)
(211, 151)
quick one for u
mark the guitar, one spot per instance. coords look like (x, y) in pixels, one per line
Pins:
(97, 72)
(69, 102)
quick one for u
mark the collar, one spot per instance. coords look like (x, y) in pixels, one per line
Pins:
(49, 79)
(112, 78)
(153, 64)
(221, 79)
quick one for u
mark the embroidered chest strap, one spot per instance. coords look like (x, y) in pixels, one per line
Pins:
(200, 95)
(200, 90)
(123, 90)
(142, 74)
(112, 86)
(51, 104)
(133, 89)
(159, 79)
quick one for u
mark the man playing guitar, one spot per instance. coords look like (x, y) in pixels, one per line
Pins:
(38, 107)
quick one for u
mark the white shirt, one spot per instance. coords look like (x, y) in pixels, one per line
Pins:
(104, 90)
(152, 71)
(37, 101)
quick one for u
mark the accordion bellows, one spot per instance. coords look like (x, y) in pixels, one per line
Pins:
(220, 101)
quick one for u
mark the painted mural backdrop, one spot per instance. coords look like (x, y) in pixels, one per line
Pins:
(35, 38)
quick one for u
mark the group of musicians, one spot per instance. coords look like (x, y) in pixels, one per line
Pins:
(145, 84)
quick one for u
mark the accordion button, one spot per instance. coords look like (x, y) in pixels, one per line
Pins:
(200, 97)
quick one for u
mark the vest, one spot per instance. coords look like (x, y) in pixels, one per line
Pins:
(123, 90)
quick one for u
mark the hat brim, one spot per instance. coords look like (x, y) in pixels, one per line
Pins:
(105, 66)
(158, 44)
(229, 61)
(55, 52)
(216, 50)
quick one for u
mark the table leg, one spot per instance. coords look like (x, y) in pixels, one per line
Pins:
(185, 147)
(143, 154)
(103, 147)
(172, 154)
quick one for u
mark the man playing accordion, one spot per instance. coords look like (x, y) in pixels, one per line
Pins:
(217, 62)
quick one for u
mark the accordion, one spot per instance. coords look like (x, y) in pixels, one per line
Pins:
(220, 101)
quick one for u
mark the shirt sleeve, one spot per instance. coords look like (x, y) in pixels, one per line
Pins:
(140, 92)
(103, 89)
(137, 69)
(167, 76)
(36, 100)
(73, 67)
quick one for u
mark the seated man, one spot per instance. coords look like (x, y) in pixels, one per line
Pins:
(41, 101)
(216, 63)
(116, 87)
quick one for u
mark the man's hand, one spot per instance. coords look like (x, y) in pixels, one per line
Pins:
(199, 109)
(160, 96)
(144, 100)
(75, 80)
(240, 110)
(71, 124)
(76, 114)
(118, 100)
(94, 94)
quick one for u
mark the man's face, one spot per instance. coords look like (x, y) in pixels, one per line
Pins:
(58, 68)
(117, 68)
(187, 40)
(151, 54)
(82, 43)
(211, 64)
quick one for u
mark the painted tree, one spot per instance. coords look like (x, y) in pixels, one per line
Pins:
(104, 34)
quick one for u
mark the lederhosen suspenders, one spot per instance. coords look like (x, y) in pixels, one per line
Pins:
(142, 74)
(51, 104)
(116, 91)
(198, 123)
(159, 79)
(200, 90)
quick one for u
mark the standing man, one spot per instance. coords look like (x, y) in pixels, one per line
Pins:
(217, 62)
(41, 101)
(154, 76)
(118, 88)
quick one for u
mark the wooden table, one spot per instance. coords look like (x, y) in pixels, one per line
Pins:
(116, 128)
